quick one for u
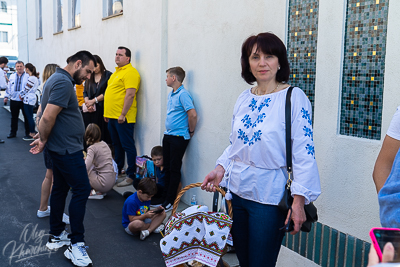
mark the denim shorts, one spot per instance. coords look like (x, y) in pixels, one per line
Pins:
(47, 159)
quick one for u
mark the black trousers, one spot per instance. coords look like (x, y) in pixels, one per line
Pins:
(174, 148)
(15, 107)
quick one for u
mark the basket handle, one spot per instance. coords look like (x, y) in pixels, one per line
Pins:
(186, 188)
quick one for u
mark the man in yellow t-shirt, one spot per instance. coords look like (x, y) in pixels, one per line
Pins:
(120, 112)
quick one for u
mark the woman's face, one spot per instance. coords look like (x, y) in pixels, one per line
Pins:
(263, 66)
(97, 68)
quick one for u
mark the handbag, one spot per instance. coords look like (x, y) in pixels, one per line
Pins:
(285, 205)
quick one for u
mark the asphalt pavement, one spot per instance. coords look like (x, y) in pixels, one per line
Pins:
(23, 236)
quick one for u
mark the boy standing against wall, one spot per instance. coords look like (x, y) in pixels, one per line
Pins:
(180, 125)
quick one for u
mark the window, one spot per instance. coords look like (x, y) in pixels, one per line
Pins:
(58, 19)
(75, 13)
(3, 37)
(302, 44)
(4, 6)
(112, 7)
(39, 30)
(364, 68)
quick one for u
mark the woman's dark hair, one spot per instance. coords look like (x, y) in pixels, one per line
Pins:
(270, 44)
(32, 69)
(102, 67)
(147, 186)
(92, 134)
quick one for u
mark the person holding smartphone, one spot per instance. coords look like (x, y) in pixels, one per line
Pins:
(137, 219)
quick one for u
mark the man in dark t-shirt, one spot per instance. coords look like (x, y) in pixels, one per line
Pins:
(61, 130)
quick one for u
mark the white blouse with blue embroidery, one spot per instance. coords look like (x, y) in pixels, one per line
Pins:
(255, 162)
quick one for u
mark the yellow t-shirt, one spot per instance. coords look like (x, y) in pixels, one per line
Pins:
(79, 94)
(122, 79)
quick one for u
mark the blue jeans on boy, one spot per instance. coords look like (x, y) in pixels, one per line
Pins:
(69, 171)
(122, 138)
(255, 231)
(29, 116)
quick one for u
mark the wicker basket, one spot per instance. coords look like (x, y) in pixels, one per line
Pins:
(176, 203)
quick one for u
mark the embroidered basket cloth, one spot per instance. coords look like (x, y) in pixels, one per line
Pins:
(199, 236)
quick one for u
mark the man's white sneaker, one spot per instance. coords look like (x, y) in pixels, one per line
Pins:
(144, 234)
(159, 229)
(45, 213)
(78, 255)
(56, 242)
(65, 218)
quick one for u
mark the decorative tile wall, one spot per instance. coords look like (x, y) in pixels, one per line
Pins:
(363, 68)
(302, 44)
(327, 246)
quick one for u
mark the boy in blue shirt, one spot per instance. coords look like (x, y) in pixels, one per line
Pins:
(180, 124)
(136, 215)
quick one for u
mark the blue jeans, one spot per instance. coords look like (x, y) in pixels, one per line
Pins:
(29, 116)
(122, 139)
(69, 171)
(255, 231)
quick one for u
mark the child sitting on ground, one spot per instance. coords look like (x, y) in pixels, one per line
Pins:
(99, 163)
(136, 215)
(155, 171)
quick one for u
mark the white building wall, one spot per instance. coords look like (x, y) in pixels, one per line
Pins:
(205, 38)
(8, 23)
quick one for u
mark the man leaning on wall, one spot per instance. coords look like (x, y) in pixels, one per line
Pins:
(120, 109)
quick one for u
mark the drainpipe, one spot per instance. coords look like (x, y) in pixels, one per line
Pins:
(27, 32)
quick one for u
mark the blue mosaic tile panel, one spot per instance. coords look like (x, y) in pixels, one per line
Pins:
(363, 68)
(302, 44)
(327, 246)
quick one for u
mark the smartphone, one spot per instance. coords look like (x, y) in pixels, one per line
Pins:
(380, 236)
(157, 211)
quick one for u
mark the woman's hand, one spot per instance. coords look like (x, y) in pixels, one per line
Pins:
(387, 255)
(298, 213)
(213, 178)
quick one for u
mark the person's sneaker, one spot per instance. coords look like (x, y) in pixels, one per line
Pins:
(45, 213)
(65, 218)
(144, 234)
(96, 195)
(56, 242)
(168, 207)
(159, 229)
(78, 255)
(27, 138)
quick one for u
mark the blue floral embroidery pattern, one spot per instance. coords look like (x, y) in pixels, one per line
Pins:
(310, 150)
(264, 104)
(247, 122)
(253, 104)
(308, 132)
(306, 115)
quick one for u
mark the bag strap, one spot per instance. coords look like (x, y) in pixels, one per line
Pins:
(288, 124)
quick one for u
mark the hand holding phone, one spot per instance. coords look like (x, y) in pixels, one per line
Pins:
(380, 237)
(158, 211)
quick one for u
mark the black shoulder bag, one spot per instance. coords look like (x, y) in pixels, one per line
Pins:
(287, 200)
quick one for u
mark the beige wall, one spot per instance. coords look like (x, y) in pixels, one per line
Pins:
(205, 37)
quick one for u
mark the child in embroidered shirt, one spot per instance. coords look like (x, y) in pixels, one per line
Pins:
(136, 215)
(99, 163)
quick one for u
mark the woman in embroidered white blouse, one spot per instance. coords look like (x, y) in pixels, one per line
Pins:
(253, 166)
